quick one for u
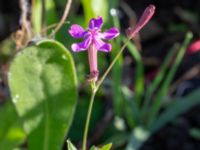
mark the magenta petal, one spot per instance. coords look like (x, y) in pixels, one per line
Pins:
(77, 31)
(102, 46)
(96, 23)
(110, 34)
(77, 47)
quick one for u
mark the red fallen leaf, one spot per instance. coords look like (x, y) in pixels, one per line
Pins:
(193, 47)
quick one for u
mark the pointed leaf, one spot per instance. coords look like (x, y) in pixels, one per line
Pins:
(70, 146)
(107, 146)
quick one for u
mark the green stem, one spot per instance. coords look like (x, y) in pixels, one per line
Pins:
(112, 64)
(88, 120)
(95, 89)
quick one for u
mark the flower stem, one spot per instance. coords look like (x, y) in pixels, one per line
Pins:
(112, 64)
(95, 89)
(88, 116)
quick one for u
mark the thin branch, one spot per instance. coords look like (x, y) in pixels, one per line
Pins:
(24, 17)
(62, 21)
(52, 26)
(24, 34)
(43, 14)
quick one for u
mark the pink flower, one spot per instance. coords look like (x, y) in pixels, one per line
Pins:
(193, 47)
(146, 16)
(93, 41)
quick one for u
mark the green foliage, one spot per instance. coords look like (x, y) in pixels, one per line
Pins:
(166, 83)
(177, 107)
(43, 15)
(76, 130)
(94, 8)
(138, 136)
(117, 71)
(139, 72)
(118, 139)
(36, 17)
(174, 109)
(11, 131)
(104, 147)
(195, 133)
(131, 108)
(70, 146)
(156, 82)
(43, 86)
(50, 13)
(151, 120)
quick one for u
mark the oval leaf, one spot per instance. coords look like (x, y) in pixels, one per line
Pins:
(43, 86)
(11, 131)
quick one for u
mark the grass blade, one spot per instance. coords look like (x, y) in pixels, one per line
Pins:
(177, 107)
(152, 87)
(164, 87)
(139, 75)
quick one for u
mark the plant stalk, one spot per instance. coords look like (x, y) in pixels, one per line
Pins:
(94, 90)
(88, 120)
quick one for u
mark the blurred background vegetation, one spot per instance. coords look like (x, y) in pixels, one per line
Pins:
(113, 113)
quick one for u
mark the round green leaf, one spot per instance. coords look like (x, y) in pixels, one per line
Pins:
(43, 86)
(11, 131)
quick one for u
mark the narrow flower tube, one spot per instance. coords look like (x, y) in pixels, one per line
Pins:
(146, 16)
(92, 57)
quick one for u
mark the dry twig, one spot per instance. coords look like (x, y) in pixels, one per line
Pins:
(23, 35)
(62, 21)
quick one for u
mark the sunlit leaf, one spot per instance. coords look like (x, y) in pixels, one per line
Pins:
(43, 86)
(11, 131)
(70, 146)
(107, 146)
